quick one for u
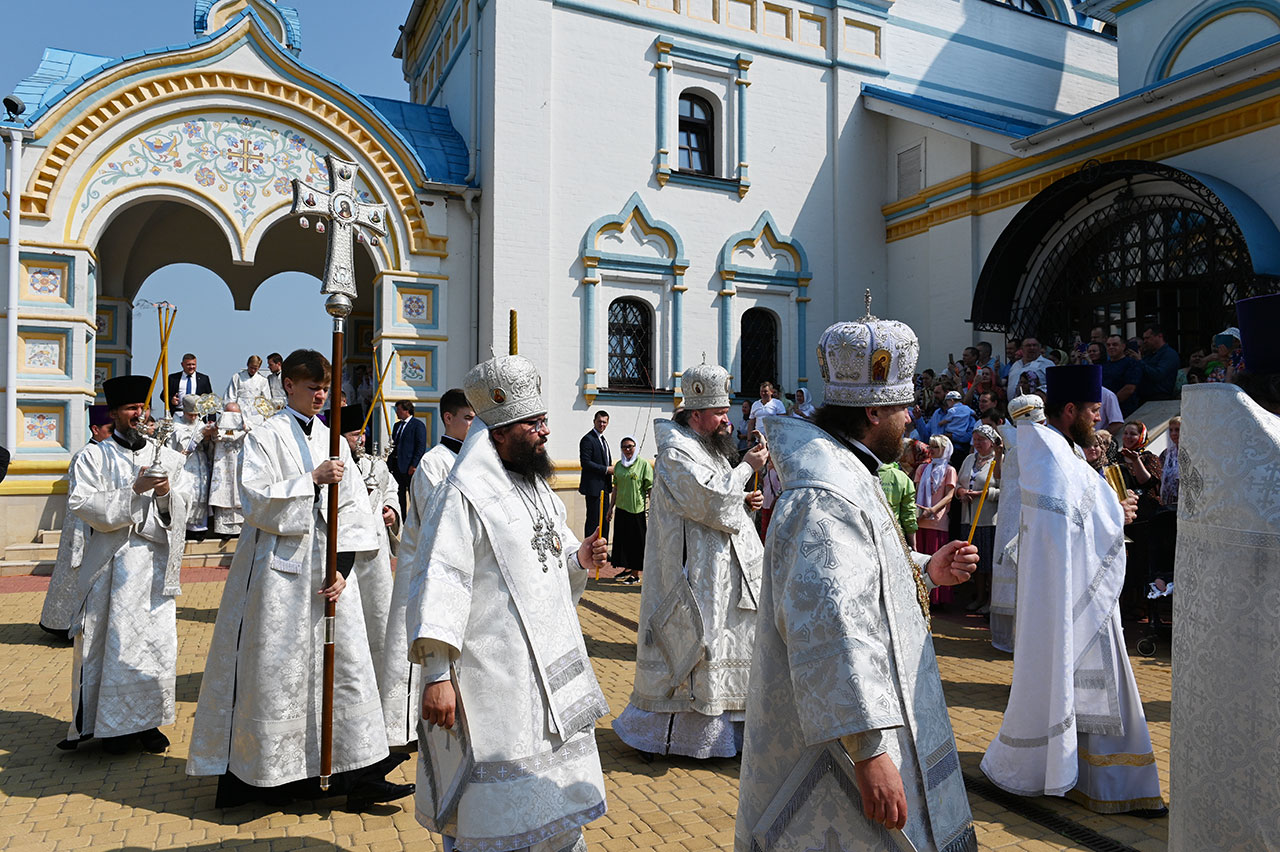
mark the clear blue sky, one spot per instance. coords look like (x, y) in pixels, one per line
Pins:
(349, 42)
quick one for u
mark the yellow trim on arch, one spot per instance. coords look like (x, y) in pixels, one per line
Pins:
(95, 119)
(774, 243)
(1172, 60)
(646, 228)
(1189, 137)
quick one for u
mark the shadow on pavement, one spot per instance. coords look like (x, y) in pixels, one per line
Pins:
(198, 615)
(30, 634)
(604, 649)
(187, 687)
(243, 843)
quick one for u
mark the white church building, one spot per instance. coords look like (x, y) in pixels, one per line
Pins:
(648, 184)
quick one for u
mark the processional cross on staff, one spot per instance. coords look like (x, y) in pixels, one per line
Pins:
(348, 218)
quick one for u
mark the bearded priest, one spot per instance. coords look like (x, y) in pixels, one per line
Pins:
(1074, 724)
(848, 742)
(507, 744)
(125, 623)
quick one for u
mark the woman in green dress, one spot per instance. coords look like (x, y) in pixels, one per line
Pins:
(632, 479)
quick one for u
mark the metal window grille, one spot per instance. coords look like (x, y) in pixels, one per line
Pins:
(630, 345)
(759, 349)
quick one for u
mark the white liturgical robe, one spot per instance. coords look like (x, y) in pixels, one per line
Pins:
(60, 599)
(374, 567)
(244, 388)
(844, 667)
(1004, 570)
(224, 480)
(495, 612)
(260, 701)
(125, 617)
(400, 680)
(697, 605)
(1224, 751)
(188, 438)
(1074, 724)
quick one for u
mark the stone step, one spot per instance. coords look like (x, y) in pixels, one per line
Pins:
(38, 559)
(49, 537)
(41, 568)
(30, 552)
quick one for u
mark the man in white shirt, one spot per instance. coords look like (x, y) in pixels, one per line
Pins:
(1112, 419)
(767, 405)
(1032, 359)
(275, 378)
(248, 384)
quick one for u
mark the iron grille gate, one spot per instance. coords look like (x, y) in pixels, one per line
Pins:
(759, 349)
(630, 345)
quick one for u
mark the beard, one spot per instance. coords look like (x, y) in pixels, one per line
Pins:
(885, 439)
(1081, 430)
(723, 444)
(528, 458)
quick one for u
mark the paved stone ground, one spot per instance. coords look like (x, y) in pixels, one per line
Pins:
(53, 800)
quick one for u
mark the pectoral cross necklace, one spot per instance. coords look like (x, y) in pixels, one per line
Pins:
(545, 542)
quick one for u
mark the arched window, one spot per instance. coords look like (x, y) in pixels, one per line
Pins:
(630, 344)
(697, 135)
(1035, 7)
(759, 349)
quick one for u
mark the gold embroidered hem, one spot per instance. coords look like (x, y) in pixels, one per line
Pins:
(1117, 759)
(1102, 806)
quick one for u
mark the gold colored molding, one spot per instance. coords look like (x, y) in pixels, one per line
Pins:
(20, 467)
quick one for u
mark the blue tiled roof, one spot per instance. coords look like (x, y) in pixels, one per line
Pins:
(1014, 128)
(430, 133)
(58, 71)
(292, 21)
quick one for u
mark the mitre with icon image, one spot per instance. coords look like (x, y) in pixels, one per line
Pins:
(869, 362)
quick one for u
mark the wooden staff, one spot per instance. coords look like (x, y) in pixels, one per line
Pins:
(331, 556)
(974, 526)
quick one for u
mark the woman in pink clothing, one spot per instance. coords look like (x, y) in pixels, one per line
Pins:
(935, 487)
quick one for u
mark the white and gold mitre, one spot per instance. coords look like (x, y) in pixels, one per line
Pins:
(505, 389)
(1029, 407)
(869, 362)
(705, 386)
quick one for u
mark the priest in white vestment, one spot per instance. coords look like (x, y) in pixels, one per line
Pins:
(848, 742)
(506, 746)
(60, 598)
(373, 567)
(193, 438)
(400, 681)
(1074, 725)
(275, 379)
(224, 481)
(248, 384)
(1225, 750)
(125, 618)
(702, 563)
(1004, 569)
(257, 722)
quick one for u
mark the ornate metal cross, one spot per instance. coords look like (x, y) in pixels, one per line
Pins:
(347, 215)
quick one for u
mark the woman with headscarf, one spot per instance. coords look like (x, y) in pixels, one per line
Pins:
(973, 476)
(632, 479)
(803, 407)
(935, 488)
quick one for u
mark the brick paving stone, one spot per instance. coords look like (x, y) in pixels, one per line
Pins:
(51, 800)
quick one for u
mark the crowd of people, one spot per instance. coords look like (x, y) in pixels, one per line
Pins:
(790, 563)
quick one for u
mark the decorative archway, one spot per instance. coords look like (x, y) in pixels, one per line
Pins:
(132, 160)
(1123, 244)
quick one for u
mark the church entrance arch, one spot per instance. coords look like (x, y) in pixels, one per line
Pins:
(1122, 245)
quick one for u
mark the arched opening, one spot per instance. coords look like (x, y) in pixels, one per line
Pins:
(1125, 244)
(759, 336)
(697, 134)
(630, 345)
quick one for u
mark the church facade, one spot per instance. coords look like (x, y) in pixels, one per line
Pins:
(654, 183)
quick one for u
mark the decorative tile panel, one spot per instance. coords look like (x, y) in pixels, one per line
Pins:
(43, 352)
(42, 425)
(413, 372)
(45, 280)
(415, 305)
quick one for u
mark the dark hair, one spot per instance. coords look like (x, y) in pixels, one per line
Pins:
(973, 348)
(453, 401)
(1029, 337)
(189, 356)
(682, 417)
(303, 364)
(1154, 328)
(982, 343)
(600, 413)
(842, 420)
(275, 358)
(405, 405)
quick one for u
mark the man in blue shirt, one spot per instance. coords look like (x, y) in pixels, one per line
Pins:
(1159, 365)
(1121, 375)
(953, 419)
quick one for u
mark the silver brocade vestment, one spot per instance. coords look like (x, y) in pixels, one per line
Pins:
(374, 567)
(701, 582)
(259, 708)
(125, 616)
(1224, 751)
(481, 598)
(843, 659)
(400, 681)
(61, 599)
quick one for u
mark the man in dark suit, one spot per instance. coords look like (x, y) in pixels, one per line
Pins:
(188, 381)
(408, 443)
(596, 482)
